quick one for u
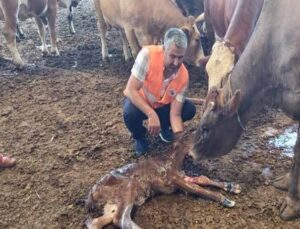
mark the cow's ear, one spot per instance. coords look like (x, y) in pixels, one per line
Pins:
(187, 32)
(200, 18)
(233, 104)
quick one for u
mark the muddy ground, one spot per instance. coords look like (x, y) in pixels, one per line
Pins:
(61, 118)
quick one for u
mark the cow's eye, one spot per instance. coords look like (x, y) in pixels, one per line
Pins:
(205, 131)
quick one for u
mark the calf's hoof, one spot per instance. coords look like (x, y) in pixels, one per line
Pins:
(290, 209)
(233, 188)
(228, 203)
(282, 182)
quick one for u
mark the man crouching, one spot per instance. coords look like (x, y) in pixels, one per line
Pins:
(156, 91)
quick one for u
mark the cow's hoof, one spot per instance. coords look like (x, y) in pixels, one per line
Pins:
(106, 60)
(282, 182)
(19, 66)
(55, 53)
(290, 209)
(233, 188)
(228, 203)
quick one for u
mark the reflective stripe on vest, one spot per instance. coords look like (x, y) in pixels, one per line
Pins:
(153, 84)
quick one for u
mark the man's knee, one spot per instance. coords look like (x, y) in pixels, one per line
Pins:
(188, 111)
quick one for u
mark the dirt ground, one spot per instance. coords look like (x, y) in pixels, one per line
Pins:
(61, 118)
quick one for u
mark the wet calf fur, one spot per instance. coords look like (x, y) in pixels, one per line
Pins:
(121, 189)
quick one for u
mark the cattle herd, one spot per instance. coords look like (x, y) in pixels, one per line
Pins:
(255, 61)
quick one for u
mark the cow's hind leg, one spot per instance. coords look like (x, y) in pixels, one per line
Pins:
(41, 29)
(126, 50)
(102, 29)
(133, 41)
(205, 181)
(110, 211)
(51, 14)
(290, 207)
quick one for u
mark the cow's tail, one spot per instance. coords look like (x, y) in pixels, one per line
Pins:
(100, 18)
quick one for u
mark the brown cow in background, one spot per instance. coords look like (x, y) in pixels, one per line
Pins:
(144, 22)
(44, 12)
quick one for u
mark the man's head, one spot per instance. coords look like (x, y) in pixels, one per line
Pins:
(175, 45)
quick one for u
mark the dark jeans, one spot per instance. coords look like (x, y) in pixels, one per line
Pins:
(134, 117)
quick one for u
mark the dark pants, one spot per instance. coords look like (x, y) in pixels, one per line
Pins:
(134, 117)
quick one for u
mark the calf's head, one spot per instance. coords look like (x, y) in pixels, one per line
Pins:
(219, 128)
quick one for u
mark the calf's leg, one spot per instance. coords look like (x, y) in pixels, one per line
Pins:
(110, 211)
(205, 181)
(125, 221)
(283, 182)
(192, 188)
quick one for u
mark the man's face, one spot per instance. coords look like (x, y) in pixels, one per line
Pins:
(173, 58)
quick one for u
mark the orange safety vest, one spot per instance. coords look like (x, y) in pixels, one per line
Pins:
(153, 84)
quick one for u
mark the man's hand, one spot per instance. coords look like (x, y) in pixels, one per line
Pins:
(153, 124)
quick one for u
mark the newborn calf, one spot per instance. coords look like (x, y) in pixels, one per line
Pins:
(121, 189)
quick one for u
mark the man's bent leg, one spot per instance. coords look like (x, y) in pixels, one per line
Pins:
(133, 118)
(188, 110)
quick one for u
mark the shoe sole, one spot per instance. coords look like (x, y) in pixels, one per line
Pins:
(163, 139)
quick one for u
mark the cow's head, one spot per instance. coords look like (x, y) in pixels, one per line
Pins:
(220, 64)
(219, 128)
(194, 54)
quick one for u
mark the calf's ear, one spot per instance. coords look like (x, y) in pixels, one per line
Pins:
(233, 104)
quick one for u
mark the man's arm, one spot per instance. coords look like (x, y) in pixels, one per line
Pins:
(132, 92)
(175, 116)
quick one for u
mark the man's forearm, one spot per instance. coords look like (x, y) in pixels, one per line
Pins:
(176, 123)
(140, 102)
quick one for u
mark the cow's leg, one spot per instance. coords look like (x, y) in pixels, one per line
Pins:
(193, 188)
(290, 207)
(132, 40)
(20, 35)
(126, 50)
(102, 29)
(41, 29)
(9, 31)
(110, 211)
(70, 19)
(51, 14)
(205, 181)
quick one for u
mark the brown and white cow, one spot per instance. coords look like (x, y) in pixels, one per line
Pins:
(268, 72)
(233, 22)
(44, 12)
(144, 22)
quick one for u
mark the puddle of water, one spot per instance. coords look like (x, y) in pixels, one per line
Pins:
(286, 141)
